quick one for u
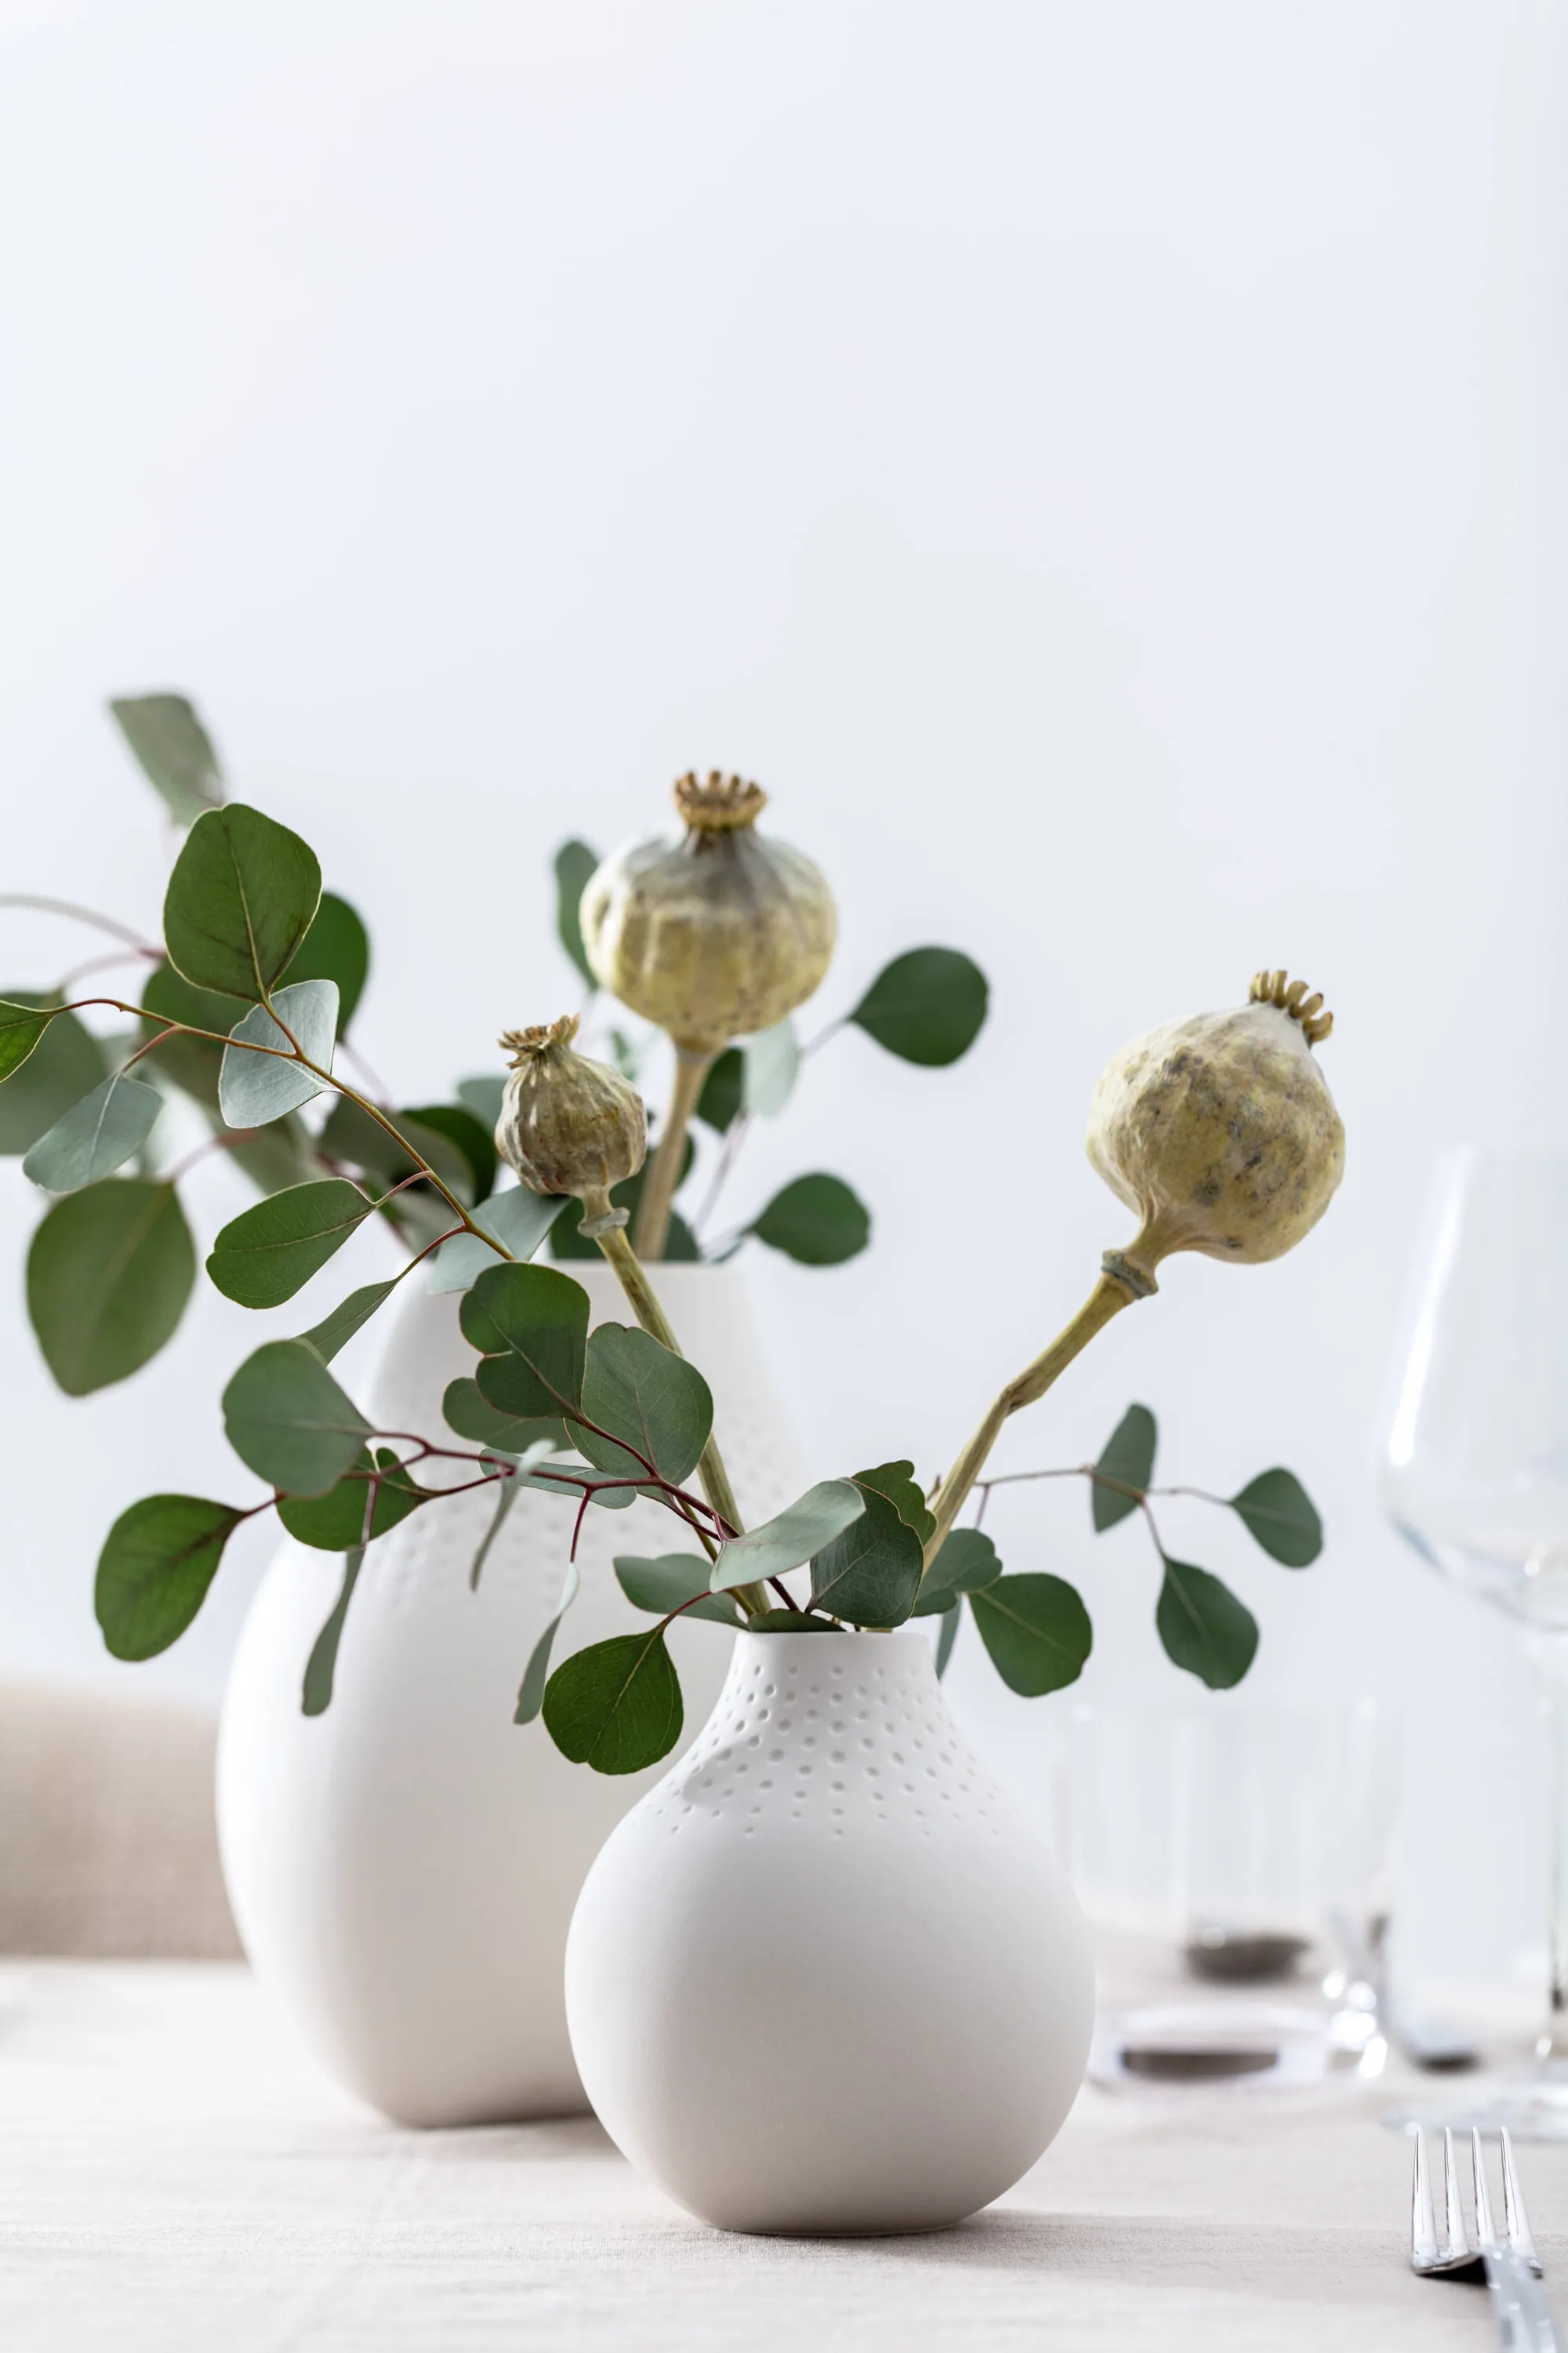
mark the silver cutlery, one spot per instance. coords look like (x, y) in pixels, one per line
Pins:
(1510, 2265)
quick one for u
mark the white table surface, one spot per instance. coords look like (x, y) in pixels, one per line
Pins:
(176, 2173)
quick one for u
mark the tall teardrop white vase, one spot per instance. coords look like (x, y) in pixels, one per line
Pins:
(402, 1868)
(828, 1978)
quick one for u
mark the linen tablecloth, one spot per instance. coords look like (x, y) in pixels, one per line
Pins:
(176, 2173)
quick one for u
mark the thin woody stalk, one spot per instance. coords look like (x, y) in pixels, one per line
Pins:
(645, 1306)
(1109, 1295)
(664, 1168)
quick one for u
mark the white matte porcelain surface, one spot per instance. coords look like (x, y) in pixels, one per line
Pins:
(827, 1977)
(403, 1869)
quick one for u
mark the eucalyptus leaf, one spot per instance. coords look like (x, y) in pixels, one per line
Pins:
(1035, 1629)
(870, 1573)
(64, 1063)
(644, 1394)
(791, 1536)
(335, 1522)
(531, 1691)
(267, 1253)
(967, 1563)
(96, 1136)
(320, 1667)
(947, 1636)
(290, 1422)
(508, 1488)
(337, 1329)
(1128, 1458)
(193, 1063)
(897, 1481)
(530, 1326)
(242, 896)
(576, 866)
(467, 1135)
(350, 1134)
(517, 1219)
(471, 1416)
(482, 1096)
(817, 1222)
(335, 948)
(109, 1273)
(1280, 1514)
(255, 1087)
(722, 1090)
(1204, 1627)
(772, 1058)
(616, 1705)
(157, 1562)
(789, 1621)
(174, 751)
(668, 1584)
(926, 1006)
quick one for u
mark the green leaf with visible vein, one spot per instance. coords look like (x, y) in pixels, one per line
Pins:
(1129, 1458)
(269, 1252)
(530, 1326)
(967, 1563)
(157, 1562)
(871, 1572)
(668, 1583)
(256, 1087)
(791, 1536)
(338, 1328)
(1037, 1630)
(109, 1273)
(1204, 1627)
(517, 1219)
(21, 1027)
(1282, 1516)
(897, 1481)
(335, 948)
(290, 1422)
(96, 1136)
(472, 1416)
(616, 1705)
(45, 1079)
(242, 896)
(643, 1393)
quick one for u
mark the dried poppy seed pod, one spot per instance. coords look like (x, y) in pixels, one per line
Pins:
(1220, 1132)
(567, 1125)
(715, 936)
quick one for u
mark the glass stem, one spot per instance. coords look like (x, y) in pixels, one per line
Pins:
(1549, 1653)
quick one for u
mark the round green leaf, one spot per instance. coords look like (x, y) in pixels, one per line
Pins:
(1037, 1630)
(1282, 1516)
(174, 751)
(817, 1220)
(671, 1583)
(290, 1422)
(1204, 1627)
(255, 1087)
(642, 1393)
(967, 1563)
(616, 1705)
(576, 866)
(242, 896)
(96, 1136)
(517, 1219)
(469, 1412)
(871, 1572)
(791, 1536)
(108, 1274)
(335, 948)
(63, 1063)
(1128, 1458)
(266, 1254)
(157, 1562)
(926, 1006)
(531, 1326)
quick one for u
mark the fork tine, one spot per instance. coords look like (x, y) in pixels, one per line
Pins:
(1486, 2229)
(1423, 2222)
(1516, 2219)
(1453, 2212)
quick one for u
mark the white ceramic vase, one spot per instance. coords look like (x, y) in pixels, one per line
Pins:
(828, 1978)
(402, 1868)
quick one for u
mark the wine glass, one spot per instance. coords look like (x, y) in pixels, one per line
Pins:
(1476, 1471)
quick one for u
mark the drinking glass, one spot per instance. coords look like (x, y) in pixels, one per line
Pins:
(1475, 1471)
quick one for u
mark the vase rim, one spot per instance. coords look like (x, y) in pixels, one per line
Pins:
(901, 1636)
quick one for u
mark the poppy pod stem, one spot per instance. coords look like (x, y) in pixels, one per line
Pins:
(645, 1305)
(664, 1168)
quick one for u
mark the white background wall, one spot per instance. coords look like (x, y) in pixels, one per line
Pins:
(1099, 464)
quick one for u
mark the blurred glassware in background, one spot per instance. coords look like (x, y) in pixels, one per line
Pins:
(1476, 1472)
(1232, 1846)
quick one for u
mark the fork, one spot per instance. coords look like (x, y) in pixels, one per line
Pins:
(1511, 2270)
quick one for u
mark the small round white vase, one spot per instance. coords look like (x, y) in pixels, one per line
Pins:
(828, 1978)
(402, 1868)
